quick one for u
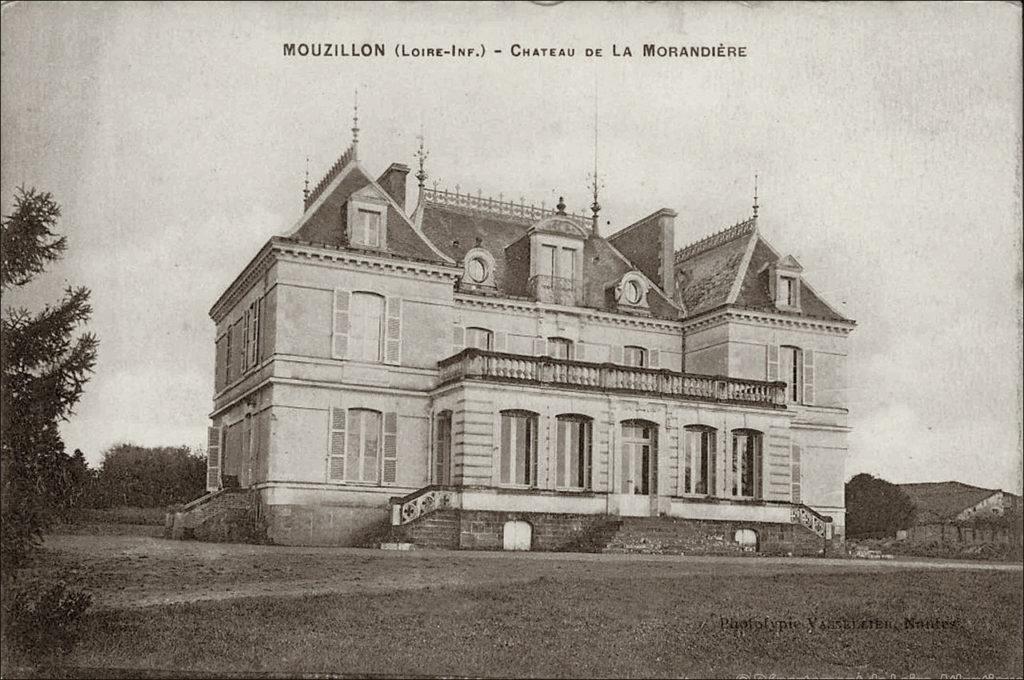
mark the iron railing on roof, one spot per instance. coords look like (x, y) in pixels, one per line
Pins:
(506, 209)
(477, 364)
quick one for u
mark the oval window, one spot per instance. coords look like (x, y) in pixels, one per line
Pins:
(633, 292)
(477, 270)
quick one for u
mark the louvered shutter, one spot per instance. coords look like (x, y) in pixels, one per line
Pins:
(261, 353)
(246, 345)
(654, 359)
(212, 458)
(239, 332)
(500, 341)
(458, 339)
(219, 360)
(336, 455)
(796, 474)
(808, 376)
(254, 330)
(580, 352)
(339, 337)
(773, 363)
(540, 347)
(393, 332)
(390, 447)
(615, 354)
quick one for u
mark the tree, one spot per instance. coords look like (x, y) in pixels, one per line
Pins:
(148, 477)
(876, 508)
(44, 370)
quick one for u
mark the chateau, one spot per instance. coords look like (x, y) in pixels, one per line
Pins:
(465, 372)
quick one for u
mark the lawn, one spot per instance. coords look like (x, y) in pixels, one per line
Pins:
(536, 615)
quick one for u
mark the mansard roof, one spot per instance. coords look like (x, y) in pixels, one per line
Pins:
(456, 223)
(729, 268)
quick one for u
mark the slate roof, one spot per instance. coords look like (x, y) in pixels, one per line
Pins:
(711, 271)
(454, 230)
(941, 501)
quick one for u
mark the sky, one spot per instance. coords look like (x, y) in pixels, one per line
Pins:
(886, 137)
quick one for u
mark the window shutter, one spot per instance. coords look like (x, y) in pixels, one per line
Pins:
(580, 352)
(654, 358)
(393, 332)
(212, 458)
(336, 455)
(458, 339)
(390, 447)
(808, 376)
(540, 347)
(261, 335)
(615, 354)
(339, 338)
(239, 332)
(796, 474)
(219, 361)
(254, 332)
(500, 341)
(773, 363)
(246, 324)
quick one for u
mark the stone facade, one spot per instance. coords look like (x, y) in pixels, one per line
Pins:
(375, 350)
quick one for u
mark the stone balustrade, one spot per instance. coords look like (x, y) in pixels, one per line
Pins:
(477, 364)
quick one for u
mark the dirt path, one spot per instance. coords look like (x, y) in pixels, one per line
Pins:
(127, 572)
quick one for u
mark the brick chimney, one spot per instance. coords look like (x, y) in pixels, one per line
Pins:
(649, 245)
(393, 182)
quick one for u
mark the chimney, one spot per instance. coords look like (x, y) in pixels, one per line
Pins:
(393, 182)
(650, 245)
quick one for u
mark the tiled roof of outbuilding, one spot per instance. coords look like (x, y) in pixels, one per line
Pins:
(944, 500)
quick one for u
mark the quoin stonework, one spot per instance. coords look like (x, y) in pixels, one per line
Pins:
(458, 371)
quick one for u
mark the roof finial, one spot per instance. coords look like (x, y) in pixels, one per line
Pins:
(422, 155)
(595, 207)
(755, 196)
(355, 126)
(305, 187)
(561, 205)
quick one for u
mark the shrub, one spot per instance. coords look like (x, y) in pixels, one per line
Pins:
(42, 619)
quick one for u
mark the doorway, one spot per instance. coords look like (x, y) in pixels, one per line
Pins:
(518, 535)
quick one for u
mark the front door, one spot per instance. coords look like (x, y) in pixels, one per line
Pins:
(639, 468)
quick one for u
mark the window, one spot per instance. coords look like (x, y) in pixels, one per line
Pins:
(787, 291)
(227, 357)
(518, 463)
(559, 348)
(476, 269)
(639, 457)
(443, 448)
(572, 450)
(566, 264)
(363, 453)
(699, 460)
(549, 261)
(746, 463)
(481, 338)
(632, 292)
(367, 229)
(634, 356)
(367, 312)
(789, 371)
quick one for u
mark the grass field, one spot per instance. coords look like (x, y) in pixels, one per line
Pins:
(305, 610)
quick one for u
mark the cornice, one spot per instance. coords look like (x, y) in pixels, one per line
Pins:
(725, 314)
(587, 313)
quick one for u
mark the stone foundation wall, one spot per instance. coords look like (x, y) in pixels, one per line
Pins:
(711, 537)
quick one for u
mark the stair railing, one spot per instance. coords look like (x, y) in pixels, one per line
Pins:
(405, 509)
(813, 520)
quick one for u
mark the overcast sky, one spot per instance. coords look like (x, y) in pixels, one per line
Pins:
(887, 138)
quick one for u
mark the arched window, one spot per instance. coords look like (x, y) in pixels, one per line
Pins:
(443, 448)
(699, 460)
(363, 453)
(747, 538)
(481, 338)
(572, 452)
(746, 463)
(639, 457)
(559, 348)
(518, 463)
(366, 332)
(790, 371)
(634, 356)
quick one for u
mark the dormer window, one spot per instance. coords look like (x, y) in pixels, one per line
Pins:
(784, 283)
(632, 292)
(367, 220)
(556, 260)
(788, 291)
(629, 294)
(478, 268)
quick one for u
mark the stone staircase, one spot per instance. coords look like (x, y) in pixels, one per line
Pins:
(225, 516)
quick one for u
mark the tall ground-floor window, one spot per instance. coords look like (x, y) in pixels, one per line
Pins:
(518, 463)
(699, 460)
(639, 457)
(746, 463)
(443, 448)
(572, 451)
(363, 453)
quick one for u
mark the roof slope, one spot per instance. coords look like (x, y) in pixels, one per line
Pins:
(727, 268)
(454, 230)
(944, 500)
(323, 220)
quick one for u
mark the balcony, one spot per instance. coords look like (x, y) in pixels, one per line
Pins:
(554, 289)
(477, 364)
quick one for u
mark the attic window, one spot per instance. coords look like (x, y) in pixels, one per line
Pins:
(366, 231)
(367, 222)
(787, 294)
(633, 292)
(476, 270)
